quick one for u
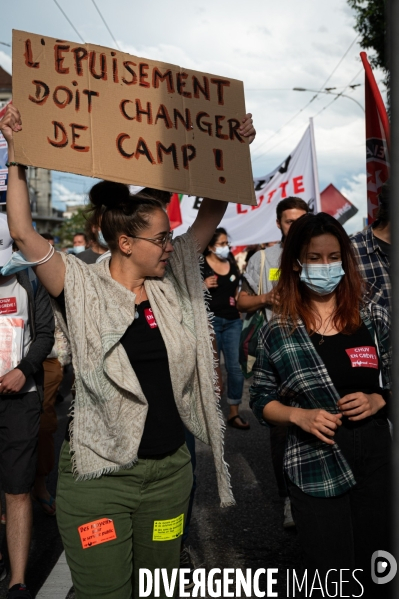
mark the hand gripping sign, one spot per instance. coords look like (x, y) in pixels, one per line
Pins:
(95, 111)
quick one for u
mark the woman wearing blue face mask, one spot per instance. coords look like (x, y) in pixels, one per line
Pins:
(221, 277)
(323, 369)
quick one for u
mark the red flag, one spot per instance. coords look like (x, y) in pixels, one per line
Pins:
(174, 212)
(377, 140)
(3, 109)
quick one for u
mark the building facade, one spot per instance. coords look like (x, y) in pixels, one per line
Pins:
(44, 216)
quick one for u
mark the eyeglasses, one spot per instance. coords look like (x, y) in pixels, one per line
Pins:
(162, 243)
(222, 244)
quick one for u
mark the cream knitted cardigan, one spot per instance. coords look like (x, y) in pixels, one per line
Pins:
(110, 409)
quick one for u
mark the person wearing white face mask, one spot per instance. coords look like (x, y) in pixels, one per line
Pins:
(323, 369)
(97, 244)
(221, 277)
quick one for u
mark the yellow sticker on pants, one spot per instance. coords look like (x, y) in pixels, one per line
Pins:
(274, 274)
(167, 530)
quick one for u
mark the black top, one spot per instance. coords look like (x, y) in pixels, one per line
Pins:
(351, 360)
(145, 348)
(223, 301)
(385, 248)
(88, 256)
(163, 430)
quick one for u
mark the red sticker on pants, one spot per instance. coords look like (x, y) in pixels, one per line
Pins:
(150, 318)
(96, 532)
(8, 305)
(363, 357)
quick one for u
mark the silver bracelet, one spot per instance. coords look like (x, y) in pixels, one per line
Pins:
(47, 256)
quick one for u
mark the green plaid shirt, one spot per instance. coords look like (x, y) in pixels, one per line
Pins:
(289, 369)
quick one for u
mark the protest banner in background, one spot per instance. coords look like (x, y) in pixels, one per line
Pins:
(335, 203)
(3, 160)
(99, 112)
(377, 140)
(296, 176)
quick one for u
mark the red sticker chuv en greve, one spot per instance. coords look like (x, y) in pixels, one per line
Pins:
(8, 305)
(363, 357)
(96, 532)
(150, 318)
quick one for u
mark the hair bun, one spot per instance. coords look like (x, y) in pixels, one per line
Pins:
(109, 194)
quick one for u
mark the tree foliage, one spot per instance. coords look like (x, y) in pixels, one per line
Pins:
(75, 224)
(371, 23)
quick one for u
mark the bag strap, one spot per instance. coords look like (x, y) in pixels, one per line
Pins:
(262, 268)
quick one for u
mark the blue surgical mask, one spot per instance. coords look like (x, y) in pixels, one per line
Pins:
(322, 278)
(222, 252)
(78, 248)
(101, 239)
(16, 263)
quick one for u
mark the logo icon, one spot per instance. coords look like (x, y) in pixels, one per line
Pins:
(383, 567)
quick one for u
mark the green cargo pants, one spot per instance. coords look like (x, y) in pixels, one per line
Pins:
(143, 502)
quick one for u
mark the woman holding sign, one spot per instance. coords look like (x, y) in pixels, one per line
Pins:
(144, 368)
(323, 368)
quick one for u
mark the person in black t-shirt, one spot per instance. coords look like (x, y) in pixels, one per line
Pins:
(221, 277)
(97, 244)
(143, 366)
(323, 369)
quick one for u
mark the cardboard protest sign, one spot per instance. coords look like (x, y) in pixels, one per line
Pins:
(98, 112)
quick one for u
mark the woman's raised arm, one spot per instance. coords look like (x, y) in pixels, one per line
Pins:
(211, 212)
(32, 245)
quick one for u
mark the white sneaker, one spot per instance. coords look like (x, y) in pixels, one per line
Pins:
(186, 561)
(288, 519)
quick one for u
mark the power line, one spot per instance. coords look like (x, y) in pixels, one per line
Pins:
(69, 21)
(310, 101)
(317, 114)
(268, 89)
(278, 143)
(338, 95)
(105, 23)
(5, 44)
(328, 78)
(289, 89)
(285, 124)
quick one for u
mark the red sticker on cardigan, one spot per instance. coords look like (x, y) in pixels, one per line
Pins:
(363, 357)
(8, 305)
(96, 532)
(150, 318)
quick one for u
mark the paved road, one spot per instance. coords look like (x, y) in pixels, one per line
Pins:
(249, 535)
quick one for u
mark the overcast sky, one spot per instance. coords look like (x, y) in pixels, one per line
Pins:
(271, 46)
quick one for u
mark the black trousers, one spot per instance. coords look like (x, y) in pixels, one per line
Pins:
(344, 532)
(278, 437)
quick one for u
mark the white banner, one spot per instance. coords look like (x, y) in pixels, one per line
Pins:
(246, 225)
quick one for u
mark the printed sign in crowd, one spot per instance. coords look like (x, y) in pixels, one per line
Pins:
(3, 160)
(95, 111)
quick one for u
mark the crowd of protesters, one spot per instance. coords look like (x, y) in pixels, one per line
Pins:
(127, 301)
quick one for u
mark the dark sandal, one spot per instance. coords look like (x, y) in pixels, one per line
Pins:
(234, 424)
(48, 506)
